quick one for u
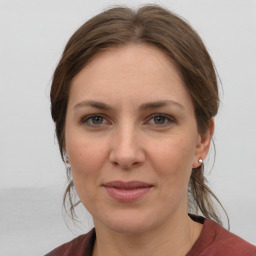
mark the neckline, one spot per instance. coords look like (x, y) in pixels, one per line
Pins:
(201, 239)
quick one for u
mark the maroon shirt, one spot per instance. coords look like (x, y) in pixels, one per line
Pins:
(214, 240)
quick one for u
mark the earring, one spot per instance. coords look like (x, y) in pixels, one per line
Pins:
(200, 161)
(68, 166)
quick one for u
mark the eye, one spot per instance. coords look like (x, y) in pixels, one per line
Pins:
(94, 120)
(161, 120)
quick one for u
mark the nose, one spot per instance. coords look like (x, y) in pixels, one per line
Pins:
(126, 149)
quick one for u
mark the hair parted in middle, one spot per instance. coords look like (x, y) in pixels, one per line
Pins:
(165, 30)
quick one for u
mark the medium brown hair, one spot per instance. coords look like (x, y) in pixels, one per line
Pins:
(156, 26)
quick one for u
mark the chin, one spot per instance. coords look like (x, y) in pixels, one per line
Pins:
(128, 223)
(129, 228)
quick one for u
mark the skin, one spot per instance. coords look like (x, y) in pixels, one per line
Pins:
(126, 142)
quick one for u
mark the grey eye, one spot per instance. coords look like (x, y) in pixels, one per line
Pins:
(94, 120)
(160, 119)
(97, 119)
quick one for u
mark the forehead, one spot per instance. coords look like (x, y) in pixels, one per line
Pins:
(133, 59)
(129, 72)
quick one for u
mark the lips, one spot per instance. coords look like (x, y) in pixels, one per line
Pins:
(127, 191)
(127, 185)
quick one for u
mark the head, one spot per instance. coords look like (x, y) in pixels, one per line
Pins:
(150, 26)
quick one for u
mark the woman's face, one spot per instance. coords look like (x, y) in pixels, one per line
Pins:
(132, 139)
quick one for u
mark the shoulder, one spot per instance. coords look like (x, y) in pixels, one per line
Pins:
(82, 245)
(228, 242)
(215, 240)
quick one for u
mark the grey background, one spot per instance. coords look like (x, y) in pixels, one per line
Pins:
(32, 176)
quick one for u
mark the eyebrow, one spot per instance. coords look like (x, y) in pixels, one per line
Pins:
(92, 103)
(143, 107)
(159, 104)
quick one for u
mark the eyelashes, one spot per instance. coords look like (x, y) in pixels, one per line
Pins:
(157, 120)
(94, 120)
(160, 119)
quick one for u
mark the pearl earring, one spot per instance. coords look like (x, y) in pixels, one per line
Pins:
(67, 162)
(200, 161)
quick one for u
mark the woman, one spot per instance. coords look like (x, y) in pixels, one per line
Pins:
(133, 99)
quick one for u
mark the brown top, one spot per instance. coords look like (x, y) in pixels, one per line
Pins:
(214, 240)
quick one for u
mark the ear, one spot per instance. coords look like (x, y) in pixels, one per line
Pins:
(203, 144)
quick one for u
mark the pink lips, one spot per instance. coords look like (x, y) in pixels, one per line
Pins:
(127, 191)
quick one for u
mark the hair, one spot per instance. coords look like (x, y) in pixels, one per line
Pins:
(154, 25)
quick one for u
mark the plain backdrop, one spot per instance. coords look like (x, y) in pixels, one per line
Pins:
(32, 177)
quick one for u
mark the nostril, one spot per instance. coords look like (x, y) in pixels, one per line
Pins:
(126, 158)
(126, 166)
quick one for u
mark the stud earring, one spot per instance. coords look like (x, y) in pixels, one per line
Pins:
(67, 162)
(200, 161)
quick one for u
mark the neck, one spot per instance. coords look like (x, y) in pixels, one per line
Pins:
(176, 238)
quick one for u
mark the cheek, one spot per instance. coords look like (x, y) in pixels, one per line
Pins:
(173, 160)
(86, 164)
(175, 152)
(86, 158)
(85, 152)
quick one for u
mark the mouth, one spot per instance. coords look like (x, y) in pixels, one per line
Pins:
(127, 191)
